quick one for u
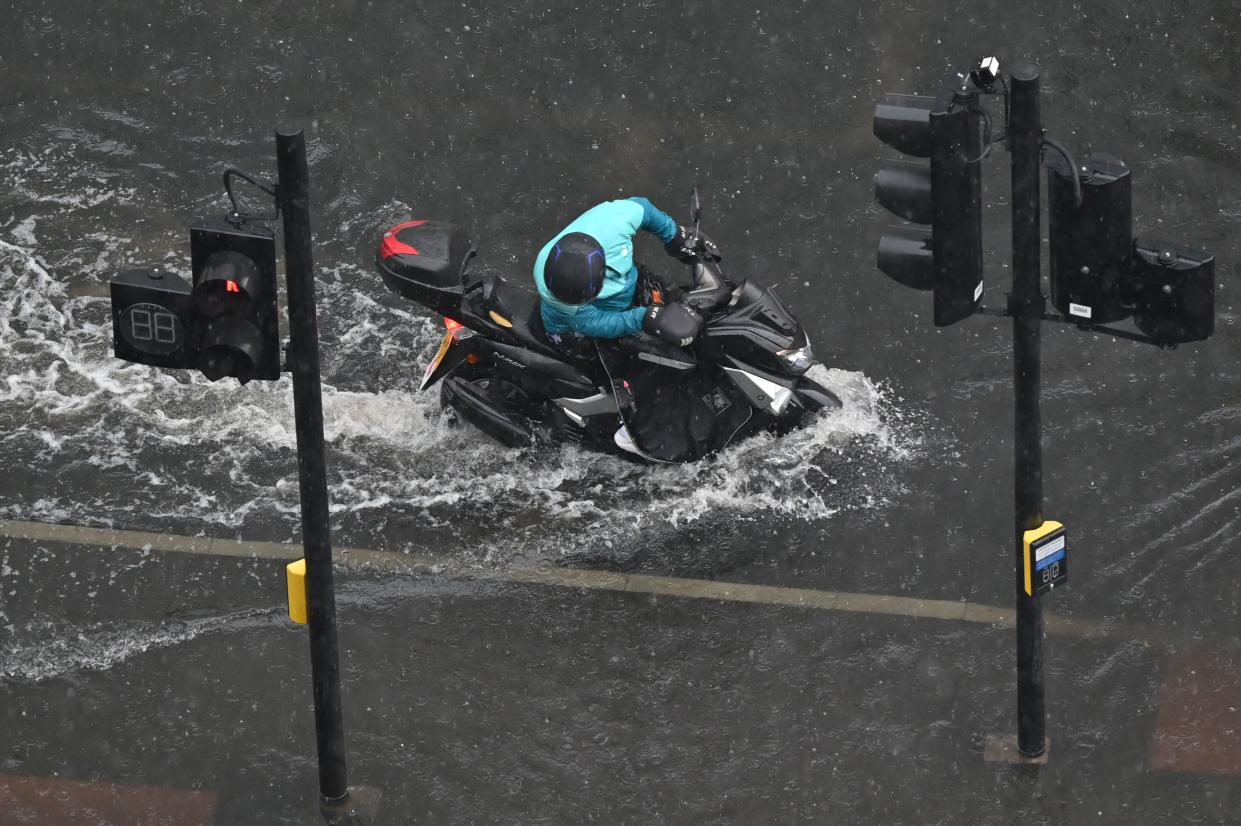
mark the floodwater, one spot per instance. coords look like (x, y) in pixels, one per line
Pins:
(115, 124)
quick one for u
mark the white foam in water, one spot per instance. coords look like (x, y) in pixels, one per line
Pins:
(24, 232)
(59, 650)
(92, 440)
(138, 447)
(217, 454)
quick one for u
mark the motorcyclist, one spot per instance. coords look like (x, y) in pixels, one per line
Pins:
(587, 280)
(587, 277)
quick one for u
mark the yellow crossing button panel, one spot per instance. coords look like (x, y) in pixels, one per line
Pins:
(1046, 550)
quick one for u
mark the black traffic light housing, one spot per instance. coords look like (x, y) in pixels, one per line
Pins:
(1172, 291)
(152, 319)
(234, 267)
(1101, 274)
(1091, 241)
(944, 193)
(226, 323)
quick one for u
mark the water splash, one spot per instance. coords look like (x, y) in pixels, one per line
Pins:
(176, 448)
(144, 448)
(59, 650)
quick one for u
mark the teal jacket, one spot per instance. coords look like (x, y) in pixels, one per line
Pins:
(612, 314)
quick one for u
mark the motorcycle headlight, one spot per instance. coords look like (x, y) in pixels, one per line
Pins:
(798, 360)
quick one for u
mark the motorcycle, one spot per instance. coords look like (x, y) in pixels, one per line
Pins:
(497, 369)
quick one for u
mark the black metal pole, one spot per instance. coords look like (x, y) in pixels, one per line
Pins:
(294, 199)
(1026, 306)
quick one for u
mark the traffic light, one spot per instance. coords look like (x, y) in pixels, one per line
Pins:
(1172, 290)
(944, 193)
(234, 268)
(1091, 240)
(1100, 273)
(226, 323)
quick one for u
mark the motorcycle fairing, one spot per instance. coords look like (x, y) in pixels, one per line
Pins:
(539, 374)
(763, 392)
(454, 349)
(580, 409)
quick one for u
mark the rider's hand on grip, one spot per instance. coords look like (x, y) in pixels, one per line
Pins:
(675, 323)
(681, 247)
(707, 249)
(688, 246)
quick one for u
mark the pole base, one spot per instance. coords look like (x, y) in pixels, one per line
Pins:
(1002, 748)
(360, 806)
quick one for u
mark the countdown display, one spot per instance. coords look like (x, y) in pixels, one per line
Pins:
(152, 329)
(152, 313)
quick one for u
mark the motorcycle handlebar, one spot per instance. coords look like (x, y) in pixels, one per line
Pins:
(711, 289)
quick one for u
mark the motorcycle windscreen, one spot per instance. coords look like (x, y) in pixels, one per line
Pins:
(672, 414)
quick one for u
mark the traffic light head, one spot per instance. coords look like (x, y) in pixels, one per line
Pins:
(1100, 273)
(227, 284)
(907, 255)
(945, 193)
(234, 267)
(225, 324)
(903, 122)
(1091, 241)
(1172, 291)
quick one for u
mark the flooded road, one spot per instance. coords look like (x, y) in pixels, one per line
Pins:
(114, 128)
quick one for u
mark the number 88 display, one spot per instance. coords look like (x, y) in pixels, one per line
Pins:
(151, 329)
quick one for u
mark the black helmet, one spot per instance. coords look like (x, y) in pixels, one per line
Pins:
(575, 268)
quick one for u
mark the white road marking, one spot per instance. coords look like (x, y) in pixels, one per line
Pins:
(556, 576)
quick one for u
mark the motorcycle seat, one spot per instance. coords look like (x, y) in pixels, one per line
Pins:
(520, 309)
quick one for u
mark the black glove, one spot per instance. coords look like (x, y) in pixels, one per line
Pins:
(675, 323)
(707, 249)
(687, 246)
(681, 247)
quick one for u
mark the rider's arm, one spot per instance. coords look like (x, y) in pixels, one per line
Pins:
(595, 322)
(655, 220)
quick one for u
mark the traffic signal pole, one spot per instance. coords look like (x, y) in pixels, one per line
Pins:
(293, 193)
(1100, 273)
(1026, 306)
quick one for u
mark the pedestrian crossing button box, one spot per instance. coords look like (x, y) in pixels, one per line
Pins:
(1046, 558)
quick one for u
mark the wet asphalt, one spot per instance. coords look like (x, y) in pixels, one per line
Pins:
(505, 703)
(474, 701)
